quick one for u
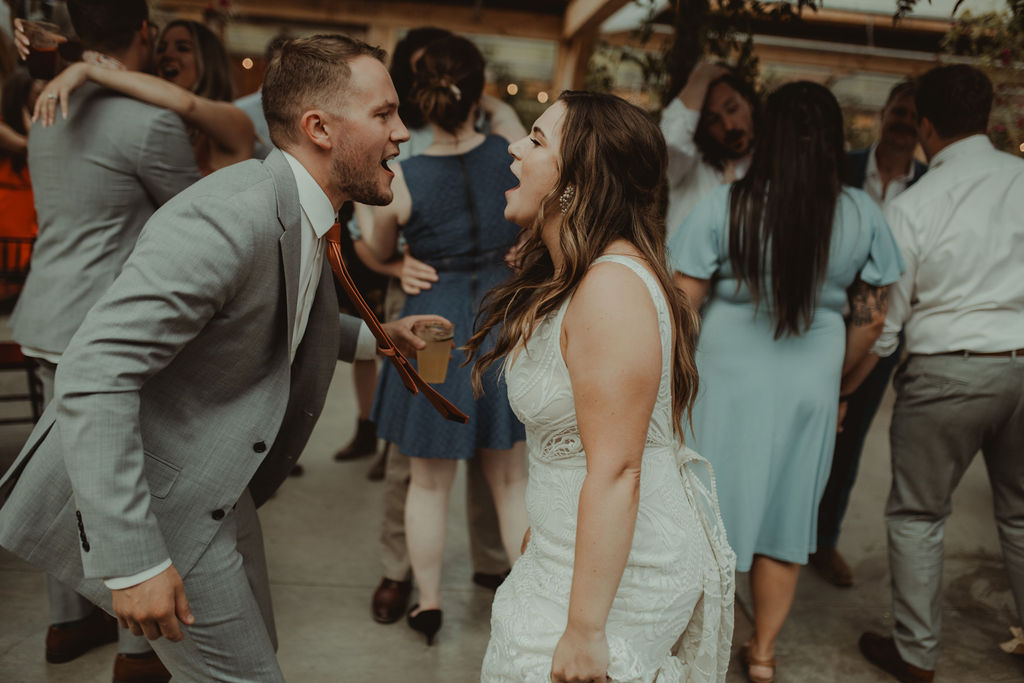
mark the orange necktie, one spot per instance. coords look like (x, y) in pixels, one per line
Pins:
(410, 378)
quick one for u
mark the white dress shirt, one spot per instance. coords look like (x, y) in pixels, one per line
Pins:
(873, 181)
(960, 229)
(317, 217)
(690, 179)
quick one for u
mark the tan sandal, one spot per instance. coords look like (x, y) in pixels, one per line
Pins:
(750, 660)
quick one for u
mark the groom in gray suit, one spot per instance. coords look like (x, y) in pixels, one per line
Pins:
(192, 386)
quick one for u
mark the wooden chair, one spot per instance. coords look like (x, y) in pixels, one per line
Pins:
(14, 264)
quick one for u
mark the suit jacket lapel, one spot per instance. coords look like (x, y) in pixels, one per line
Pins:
(289, 213)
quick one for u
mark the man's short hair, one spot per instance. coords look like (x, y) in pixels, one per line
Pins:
(309, 73)
(956, 98)
(906, 88)
(107, 25)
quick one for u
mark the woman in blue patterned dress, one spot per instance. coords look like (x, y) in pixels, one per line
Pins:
(781, 251)
(449, 205)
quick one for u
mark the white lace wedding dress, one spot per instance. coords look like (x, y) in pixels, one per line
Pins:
(676, 594)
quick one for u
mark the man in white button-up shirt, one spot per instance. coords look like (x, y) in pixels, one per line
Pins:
(960, 304)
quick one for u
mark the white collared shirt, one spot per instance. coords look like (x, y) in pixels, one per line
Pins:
(690, 178)
(873, 181)
(960, 230)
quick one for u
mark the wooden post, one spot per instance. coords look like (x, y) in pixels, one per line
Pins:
(571, 61)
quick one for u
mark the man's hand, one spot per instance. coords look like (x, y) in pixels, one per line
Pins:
(154, 607)
(415, 274)
(21, 40)
(401, 333)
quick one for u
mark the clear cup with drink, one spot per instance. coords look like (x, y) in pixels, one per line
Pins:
(432, 361)
(44, 39)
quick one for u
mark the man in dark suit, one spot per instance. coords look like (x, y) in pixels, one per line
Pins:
(883, 170)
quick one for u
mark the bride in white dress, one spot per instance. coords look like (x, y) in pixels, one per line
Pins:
(626, 574)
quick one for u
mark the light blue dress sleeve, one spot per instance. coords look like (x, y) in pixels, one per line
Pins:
(884, 265)
(698, 248)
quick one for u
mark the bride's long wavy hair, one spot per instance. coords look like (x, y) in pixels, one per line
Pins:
(615, 158)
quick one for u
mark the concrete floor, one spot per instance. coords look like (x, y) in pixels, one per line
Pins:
(321, 539)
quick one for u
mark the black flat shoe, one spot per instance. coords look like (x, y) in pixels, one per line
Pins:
(427, 622)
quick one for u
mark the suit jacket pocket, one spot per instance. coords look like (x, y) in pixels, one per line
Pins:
(160, 475)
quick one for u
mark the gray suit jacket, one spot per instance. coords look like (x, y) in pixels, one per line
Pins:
(177, 392)
(97, 178)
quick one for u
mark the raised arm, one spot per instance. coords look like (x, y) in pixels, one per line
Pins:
(228, 127)
(612, 349)
(679, 121)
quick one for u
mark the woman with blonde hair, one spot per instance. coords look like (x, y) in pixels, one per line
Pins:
(626, 555)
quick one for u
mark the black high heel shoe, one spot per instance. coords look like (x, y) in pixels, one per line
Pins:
(427, 622)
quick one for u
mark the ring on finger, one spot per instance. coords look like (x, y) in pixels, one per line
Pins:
(51, 96)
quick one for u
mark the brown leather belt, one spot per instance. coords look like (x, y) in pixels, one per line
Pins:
(984, 354)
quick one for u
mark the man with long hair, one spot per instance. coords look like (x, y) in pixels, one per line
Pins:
(709, 130)
(961, 389)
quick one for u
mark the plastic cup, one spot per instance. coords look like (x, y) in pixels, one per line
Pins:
(432, 361)
(44, 38)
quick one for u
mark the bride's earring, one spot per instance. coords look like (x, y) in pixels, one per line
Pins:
(566, 198)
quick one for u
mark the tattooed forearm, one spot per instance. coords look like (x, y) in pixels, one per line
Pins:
(868, 304)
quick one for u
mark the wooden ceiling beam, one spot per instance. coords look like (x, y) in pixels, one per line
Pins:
(394, 15)
(586, 16)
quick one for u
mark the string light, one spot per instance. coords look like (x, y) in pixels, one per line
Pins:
(247, 63)
(542, 97)
(512, 89)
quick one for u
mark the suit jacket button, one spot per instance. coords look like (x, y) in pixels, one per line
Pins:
(217, 515)
(259, 446)
(85, 546)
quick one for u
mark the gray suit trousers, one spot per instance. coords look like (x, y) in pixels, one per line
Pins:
(947, 409)
(233, 639)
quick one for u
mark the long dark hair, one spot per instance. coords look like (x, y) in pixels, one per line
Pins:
(213, 80)
(781, 212)
(615, 157)
(402, 74)
(449, 82)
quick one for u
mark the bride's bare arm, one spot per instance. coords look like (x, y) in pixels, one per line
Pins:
(613, 353)
(227, 126)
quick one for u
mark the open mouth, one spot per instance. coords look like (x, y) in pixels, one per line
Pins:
(384, 164)
(169, 71)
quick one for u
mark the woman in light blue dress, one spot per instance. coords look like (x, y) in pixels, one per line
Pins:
(778, 255)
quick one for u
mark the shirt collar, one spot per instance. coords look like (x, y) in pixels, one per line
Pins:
(872, 168)
(312, 198)
(961, 148)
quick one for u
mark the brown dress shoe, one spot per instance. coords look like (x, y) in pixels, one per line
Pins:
(73, 639)
(390, 600)
(363, 444)
(832, 567)
(882, 653)
(140, 668)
